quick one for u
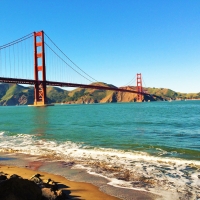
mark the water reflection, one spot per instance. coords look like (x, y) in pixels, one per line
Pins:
(40, 120)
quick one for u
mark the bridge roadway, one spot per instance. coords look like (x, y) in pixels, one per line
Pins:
(63, 84)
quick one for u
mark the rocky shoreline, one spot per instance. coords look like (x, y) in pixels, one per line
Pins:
(15, 187)
(29, 183)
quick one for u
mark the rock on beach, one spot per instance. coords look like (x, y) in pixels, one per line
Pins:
(17, 188)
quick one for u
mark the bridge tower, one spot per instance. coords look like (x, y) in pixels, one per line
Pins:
(139, 87)
(39, 70)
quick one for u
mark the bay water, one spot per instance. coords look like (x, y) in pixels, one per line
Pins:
(154, 142)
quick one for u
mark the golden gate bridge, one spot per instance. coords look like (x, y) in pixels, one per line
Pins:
(45, 65)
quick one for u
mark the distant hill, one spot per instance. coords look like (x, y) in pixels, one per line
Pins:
(13, 94)
(170, 94)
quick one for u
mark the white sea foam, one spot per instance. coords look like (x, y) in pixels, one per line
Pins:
(1, 133)
(135, 170)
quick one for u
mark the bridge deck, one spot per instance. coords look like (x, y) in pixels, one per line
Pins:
(63, 84)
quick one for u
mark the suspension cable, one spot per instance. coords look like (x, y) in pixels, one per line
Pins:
(14, 59)
(67, 63)
(16, 41)
(70, 59)
(144, 82)
(131, 81)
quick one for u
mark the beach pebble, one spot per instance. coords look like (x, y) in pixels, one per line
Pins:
(48, 181)
(54, 186)
(2, 173)
(49, 194)
(36, 175)
(199, 176)
(3, 177)
(36, 180)
(15, 176)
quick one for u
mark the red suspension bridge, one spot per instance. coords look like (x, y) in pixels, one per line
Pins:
(18, 63)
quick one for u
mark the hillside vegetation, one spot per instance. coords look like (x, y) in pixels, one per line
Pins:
(13, 94)
(170, 94)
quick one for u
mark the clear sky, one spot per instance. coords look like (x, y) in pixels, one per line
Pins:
(112, 40)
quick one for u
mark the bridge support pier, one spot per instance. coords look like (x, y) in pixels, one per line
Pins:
(39, 70)
(139, 88)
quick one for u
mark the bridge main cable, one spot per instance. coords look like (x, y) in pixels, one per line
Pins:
(70, 60)
(16, 41)
(67, 63)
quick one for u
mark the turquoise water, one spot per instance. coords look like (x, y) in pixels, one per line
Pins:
(166, 129)
(151, 146)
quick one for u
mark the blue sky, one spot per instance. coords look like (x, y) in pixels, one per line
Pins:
(113, 40)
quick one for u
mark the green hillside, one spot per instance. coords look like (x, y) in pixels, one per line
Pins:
(56, 95)
(13, 94)
(170, 94)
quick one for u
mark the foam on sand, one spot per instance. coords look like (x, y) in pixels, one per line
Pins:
(133, 170)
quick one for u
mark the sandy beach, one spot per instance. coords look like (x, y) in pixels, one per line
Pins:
(76, 190)
(76, 183)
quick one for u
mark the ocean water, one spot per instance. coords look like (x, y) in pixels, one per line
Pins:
(151, 146)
